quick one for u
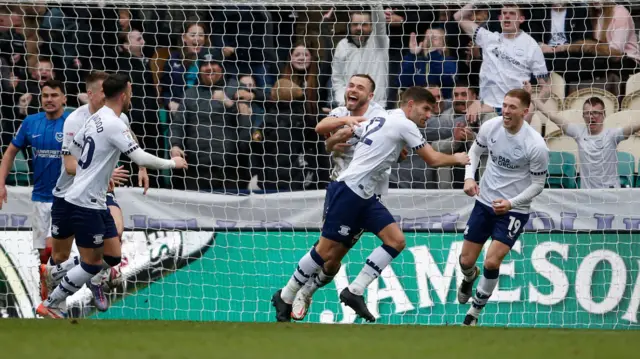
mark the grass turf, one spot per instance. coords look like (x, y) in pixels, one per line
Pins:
(98, 339)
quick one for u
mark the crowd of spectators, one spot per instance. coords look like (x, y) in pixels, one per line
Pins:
(239, 89)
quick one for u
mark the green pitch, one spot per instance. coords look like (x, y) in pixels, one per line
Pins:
(103, 339)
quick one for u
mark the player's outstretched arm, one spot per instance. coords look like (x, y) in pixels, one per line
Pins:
(5, 167)
(144, 159)
(437, 159)
(330, 124)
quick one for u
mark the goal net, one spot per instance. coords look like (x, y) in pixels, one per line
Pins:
(237, 87)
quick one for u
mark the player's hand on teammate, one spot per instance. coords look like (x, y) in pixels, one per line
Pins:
(120, 176)
(180, 162)
(471, 187)
(143, 179)
(354, 121)
(501, 206)
(462, 158)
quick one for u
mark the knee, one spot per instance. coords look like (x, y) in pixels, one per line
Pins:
(467, 260)
(492, 263)
(111, 260)
(396, 242)
(59, 257)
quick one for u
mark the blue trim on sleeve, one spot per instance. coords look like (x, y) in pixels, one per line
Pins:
(543, 76)
(543, 173)
(475, 34)
(480, 144)
(419, 146)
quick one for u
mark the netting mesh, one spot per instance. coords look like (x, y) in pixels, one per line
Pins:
(238, 88)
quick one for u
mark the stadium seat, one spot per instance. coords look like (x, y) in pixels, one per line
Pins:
(558, 85)
(631, 101)
(537, 120)
(19, 175)
(573, 116)
(633, 84)
(619, 119)
(562, 170)
(626, 168)
(632, 146)
(576, 100)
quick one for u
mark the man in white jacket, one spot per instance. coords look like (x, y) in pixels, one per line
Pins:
(364, 51)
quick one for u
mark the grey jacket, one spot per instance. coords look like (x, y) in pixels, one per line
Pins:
(207, 130)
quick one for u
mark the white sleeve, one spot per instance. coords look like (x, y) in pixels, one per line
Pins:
(483, 37)
(538, 65)
(125, 119)
(411, 136)
(119, 135)
(617, 134)
(143, 159)
(573, 130)
(75, 149)
(70, 128)
(475, 152)
(338, 77)
(538, 165)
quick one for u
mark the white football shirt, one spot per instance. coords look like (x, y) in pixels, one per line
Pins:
(341, 160)
(105, 137)
(513, 160)
(598, 156)
(381, 141)
(72, 125)
(507, 63)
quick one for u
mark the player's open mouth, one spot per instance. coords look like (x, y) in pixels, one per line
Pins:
(352, 99)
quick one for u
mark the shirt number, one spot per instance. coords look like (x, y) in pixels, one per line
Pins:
(87, 153)
(378, 122)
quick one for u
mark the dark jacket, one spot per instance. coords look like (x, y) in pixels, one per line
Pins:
(174, 82)
(433, 69)
(577, 24)
(207, 130)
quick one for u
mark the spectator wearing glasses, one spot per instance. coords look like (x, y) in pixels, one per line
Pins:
(597, 146)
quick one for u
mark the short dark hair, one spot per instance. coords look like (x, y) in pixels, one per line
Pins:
(115, 84)
(365, 76)
(520, 94)
(417, 94)
(462, 82)
(594, 101)
(95, 76)
(54, 84)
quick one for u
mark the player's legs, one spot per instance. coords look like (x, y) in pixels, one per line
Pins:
(321, 278)
(89, 227)
(341, 216)
(111, 258)
(476, 233)
(506, 230)
(41, 223)
(63, 236)
(376, 219)
(116, 213)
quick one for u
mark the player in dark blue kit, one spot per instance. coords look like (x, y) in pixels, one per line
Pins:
(43, 133)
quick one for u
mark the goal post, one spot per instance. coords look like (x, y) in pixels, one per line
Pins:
(238, 87)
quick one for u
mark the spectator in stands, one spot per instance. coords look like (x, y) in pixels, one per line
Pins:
(597, 146)
(8, 84)
(247, 91)
(428, 63)
(212, 131)
(181, 70)
(556, 27)
(12, 42)
(615, 38)
(469, 55)
(29, 101)
(289, 126)
(144, 105)
(508, 58)
(364, 51)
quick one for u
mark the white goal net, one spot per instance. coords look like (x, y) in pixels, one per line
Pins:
(238, 87)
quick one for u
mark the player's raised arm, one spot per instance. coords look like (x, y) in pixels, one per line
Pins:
(463, 17)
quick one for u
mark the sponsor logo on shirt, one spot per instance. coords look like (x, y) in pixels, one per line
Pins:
(504, 56)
